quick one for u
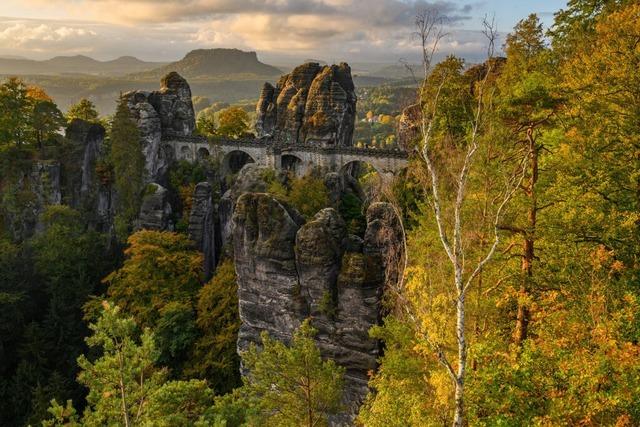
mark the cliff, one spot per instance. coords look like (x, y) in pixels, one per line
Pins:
(162, 114)
(313, 104)
(208, 63)
(289, 270)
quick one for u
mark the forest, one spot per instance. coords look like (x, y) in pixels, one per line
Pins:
(518, 301)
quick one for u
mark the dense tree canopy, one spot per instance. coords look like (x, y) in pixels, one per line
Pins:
(128, 166)
(533, 158)
(233, 122)
(83, 110)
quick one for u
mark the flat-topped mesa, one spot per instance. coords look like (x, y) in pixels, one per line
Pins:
(312, 104)
(161, 114)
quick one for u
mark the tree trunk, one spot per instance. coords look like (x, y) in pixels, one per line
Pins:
(528, 256)
(458, 419)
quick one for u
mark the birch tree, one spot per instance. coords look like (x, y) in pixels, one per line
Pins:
(447, 202)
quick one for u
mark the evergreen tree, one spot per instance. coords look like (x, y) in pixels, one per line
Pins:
(47, 122)
(128, 166)
(527, 105)
(16, 109)
(214, 353)
(158, 286)
(292, 386)
(125, 385)
(83, 110)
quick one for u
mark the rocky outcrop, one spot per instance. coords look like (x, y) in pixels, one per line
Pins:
(155, 211)
(203, 225)
(289, 270)
(26, 196)
(84, 188)
(313, 104)
(249, 179)
(384, 236)
(174, 106)
(87, 139)
(162, 114)
(269, 294)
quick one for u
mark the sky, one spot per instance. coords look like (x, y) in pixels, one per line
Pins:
(281, 31)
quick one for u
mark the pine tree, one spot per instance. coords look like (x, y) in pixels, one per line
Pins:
(83, 110)
(128, 165)
(292, 386)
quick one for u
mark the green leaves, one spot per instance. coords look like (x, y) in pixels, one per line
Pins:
(123, 379)
(233, 122)
(214, 354)
(128, 165)
(292, 386)
(83, 110)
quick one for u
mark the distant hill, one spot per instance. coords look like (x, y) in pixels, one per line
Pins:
(396, 71)
(207, 63)
(78, 64)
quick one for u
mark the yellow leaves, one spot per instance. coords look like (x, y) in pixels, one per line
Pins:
(623, 420)
(186, 197)
(601, 256)
(38, 93)
(161, 267)
(442, 390)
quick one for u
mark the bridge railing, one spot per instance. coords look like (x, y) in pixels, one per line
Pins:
(284, 148)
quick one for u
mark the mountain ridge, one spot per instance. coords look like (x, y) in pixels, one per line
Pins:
(214, 63)
(76, 64)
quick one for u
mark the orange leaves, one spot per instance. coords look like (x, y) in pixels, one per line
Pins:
(161, 268)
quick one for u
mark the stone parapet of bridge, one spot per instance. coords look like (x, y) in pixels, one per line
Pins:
(299, 157)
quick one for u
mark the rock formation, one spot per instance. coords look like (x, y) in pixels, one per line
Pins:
(216, 63)
(203, 225)
(249, 179)
(84, 189)
(313, 104)
(27, 195)
(87, 139)
(288, 271)
(162, 114)
(155, 211)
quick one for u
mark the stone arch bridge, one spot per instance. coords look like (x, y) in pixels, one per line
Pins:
(298, 158)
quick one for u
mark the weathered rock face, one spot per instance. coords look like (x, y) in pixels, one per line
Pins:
(162, 114)
(249, 179)
(312, 104)
(88, 139)
(83, 188)
(269, 294)
(174, 106)
(155, 211)
(289, 271)
(384, 236)
(27, 196)
(203, 225)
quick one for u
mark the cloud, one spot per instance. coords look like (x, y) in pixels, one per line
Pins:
(351, 30)
(41, 37)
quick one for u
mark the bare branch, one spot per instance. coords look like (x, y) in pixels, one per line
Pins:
(496, 224)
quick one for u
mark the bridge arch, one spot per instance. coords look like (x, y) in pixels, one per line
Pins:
(234, 160)
(203, 153)
(357, 167)
(292, 163)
